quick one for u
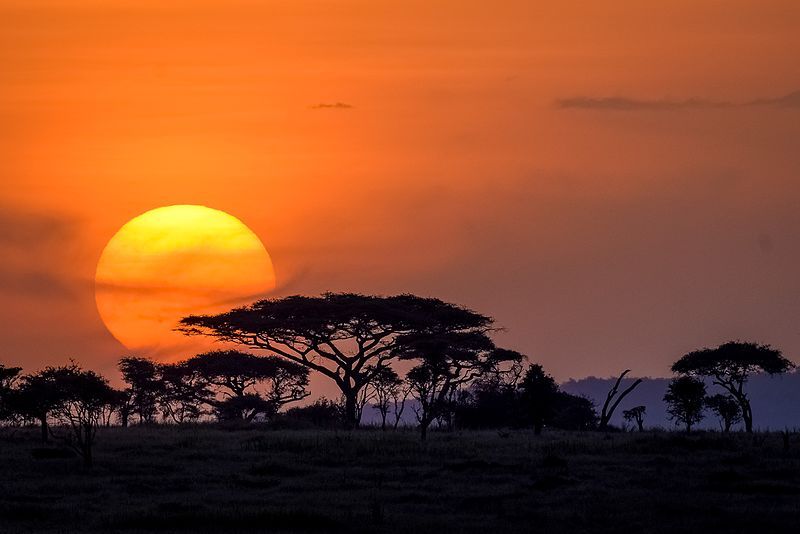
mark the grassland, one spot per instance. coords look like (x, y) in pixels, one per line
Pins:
(205, 479)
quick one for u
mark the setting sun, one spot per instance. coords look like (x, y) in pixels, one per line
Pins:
(172, 261)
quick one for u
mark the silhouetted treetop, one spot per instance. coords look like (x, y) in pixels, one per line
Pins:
(333, 316)
(237, 371)
(735, 359)
(344, 336)
(730, 365)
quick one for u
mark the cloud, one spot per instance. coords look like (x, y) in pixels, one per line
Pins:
(792, 100)
(625, 103)
(34, 248)
(25, 230)
(336, 105)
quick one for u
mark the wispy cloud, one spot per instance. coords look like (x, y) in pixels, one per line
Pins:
(625, 103)
(335, 105)
(792, 100)
(34, 248)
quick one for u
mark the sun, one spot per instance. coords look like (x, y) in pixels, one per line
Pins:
(174, 261)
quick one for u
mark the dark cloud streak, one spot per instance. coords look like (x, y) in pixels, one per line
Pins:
(336, 105)
(35, 253)
(625, 103)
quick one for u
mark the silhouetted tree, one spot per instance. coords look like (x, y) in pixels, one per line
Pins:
(124, 406)
(730, 365)
(399, 398)
(492, 401)
(119, 399)
(184, 392)
(573, 412)
(243, 408)
(321, 413)
(685, 398)
(447, 361)
(34, 399)
(636, 414)
(538, 393)
(238, 374)
(82, 396)
(385, 384)
(8, 377)
(144, 386)
(344, 336)
(726, 408)
(610, 404)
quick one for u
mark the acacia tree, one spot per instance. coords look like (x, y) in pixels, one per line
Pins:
(34, 399)
(82, 395)
(730, 366)
(447, 362)
(183, 393)
(636, 414)
(239, 375)
(726, 408)
(346, 337)
(386, 386)
(8, 377)
(145, 387)
(685, 398)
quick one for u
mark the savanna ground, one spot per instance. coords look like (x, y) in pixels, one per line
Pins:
(205, 479)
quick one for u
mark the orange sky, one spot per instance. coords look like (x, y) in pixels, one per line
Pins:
(479, 161)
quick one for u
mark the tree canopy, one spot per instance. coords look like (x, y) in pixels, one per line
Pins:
(730, 365)
(346, 337)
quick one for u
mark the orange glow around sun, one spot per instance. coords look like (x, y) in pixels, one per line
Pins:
(174, 261)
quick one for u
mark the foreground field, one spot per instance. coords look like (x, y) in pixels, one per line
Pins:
(206, 479)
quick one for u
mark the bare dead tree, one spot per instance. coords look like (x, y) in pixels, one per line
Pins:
(614, 393)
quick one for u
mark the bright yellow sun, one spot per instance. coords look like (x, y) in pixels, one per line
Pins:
(174, 261)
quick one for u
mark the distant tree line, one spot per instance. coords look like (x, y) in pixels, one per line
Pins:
(456, 376)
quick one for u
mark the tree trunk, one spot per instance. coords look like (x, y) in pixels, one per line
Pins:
(641, 425)
(350, 410)
(747, 417)
(423, 431)
(537, 427)
(45, 436)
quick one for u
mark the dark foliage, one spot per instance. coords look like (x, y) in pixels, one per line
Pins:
(344, 336)
(535, 401)
(726, 408)
(244, 408)
(539, 394)
(322, 413)
(447, 362)
(82, 397)
(685, 398)
(144, 388)
(573, 412)
(636, 414)
(730, 365)
(8, 377)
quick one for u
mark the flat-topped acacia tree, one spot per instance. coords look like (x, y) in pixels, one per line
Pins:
(347, 337)
(730, 365)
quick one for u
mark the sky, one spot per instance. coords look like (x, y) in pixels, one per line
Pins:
(616, 183)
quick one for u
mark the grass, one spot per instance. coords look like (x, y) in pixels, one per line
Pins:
(206, 479)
